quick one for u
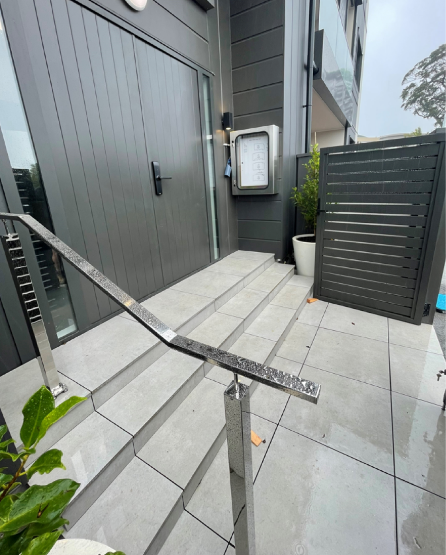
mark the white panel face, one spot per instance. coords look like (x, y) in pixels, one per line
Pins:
(254, 160)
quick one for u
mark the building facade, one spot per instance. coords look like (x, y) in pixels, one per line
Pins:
(95, 93)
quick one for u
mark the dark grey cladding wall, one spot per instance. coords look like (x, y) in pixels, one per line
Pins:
(268, 78)
(257, 38)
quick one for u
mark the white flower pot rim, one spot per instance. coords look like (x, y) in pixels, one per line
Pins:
(298, 237)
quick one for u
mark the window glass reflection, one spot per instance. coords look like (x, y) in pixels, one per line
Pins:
(26, 171)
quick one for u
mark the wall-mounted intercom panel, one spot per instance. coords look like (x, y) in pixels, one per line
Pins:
(255, 159)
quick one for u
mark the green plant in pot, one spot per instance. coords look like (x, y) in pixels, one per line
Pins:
(305, 199)
(31, 521)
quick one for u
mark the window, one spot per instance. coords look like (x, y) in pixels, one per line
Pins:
(26, 171)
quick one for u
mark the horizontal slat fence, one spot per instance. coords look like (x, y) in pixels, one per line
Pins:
(380, 209)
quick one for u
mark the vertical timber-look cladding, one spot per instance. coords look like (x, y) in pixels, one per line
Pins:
(257, 45)
(381, 208)
(100, 97)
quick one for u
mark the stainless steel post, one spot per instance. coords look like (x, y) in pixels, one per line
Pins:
(25, 290)
(238, 430)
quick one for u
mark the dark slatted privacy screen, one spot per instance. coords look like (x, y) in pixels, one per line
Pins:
(380, 210)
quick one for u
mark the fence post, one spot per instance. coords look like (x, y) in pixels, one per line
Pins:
(30, 306)
(238, 430)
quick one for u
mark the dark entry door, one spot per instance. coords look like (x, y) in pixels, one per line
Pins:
(170, 104)
(113, 105)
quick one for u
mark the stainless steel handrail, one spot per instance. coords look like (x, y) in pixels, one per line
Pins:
(236, 397)
(234, 363)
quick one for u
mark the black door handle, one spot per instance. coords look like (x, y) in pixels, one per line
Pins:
(158, 178)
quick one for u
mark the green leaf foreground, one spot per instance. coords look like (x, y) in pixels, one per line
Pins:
(37, 407)
(5, 478)
(46, 463)
(43, 544)
(56, 414)
(3, 430)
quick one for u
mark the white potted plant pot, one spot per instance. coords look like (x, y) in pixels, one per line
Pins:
(304, 254)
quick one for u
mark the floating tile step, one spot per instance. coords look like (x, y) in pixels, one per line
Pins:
(136, 512)
(178, 426)
(94, 453)
(108, 357)
(155, 393)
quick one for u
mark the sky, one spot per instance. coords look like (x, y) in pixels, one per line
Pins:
(400, 33)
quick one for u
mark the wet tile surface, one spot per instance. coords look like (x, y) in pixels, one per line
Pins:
(313, 313)
(350, 416)
(211, 503)
(355, 322)
(328, 503)
(414, 373)
(419, 429)
(298, 342)
(126, 527)
(416, 337)
(421, 521)
(355, 357)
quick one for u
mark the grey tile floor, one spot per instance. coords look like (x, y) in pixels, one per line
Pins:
(363, 471)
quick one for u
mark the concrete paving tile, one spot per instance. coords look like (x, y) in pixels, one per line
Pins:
(421, 518)
(313, 313)
(129, 514)
(291, 297)
(96, 356)
(180, 445)
(94, 453)
(190, 537)
(267, 282)
(419, 430)
(414, 373)
(245, 303)
(176, 308)
(350, 416)
(298, 342)
(355, 322)
(272, 322)
(211, 502)
(327, 503)
(236, 266)
(416, 337)
(286, 365)
(168, 380)
(210, 284)
(282, 269)
(218, 330)
(247, 346)
(355, 357)
(268, 403)
(24, 381)
(252, 255)
(301, 281)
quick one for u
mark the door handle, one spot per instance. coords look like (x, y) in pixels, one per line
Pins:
(158, 178)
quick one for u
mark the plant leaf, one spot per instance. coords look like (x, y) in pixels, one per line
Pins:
(6, 443)
(37, 529)
(5, 479)
(14, 545)
(36, 408)
(43, 544)
(8, 455)
(5, 508)
(40, 504)
(3, 430)
(58, 413)
(115, 553)
(46, 463)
